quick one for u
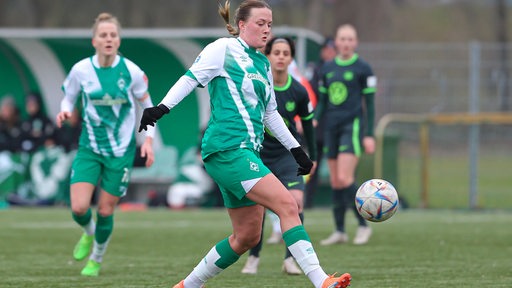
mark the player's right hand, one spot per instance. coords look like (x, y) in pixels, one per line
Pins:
(151, 115)
(61, 117)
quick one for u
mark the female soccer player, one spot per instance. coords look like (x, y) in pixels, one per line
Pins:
(292, 100)
(347, 84)
(242, 103)
(108, 85)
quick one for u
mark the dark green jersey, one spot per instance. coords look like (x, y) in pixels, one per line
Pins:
(343, 85)
(292, 100)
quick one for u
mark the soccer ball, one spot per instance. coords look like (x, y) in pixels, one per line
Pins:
(376, 200)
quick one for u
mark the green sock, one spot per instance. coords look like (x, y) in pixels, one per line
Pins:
(104, 227)
(220, 257)
(82, 220)
(227, 255)
(298, 242)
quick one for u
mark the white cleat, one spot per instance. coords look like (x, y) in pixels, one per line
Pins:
(290, 267)
(251, 266)
(362, 235)
(335, 238)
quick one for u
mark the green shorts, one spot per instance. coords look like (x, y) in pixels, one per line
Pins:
(114, 172)
(236, 172)
(346, 138)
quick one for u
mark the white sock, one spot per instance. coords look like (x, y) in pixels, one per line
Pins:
(90, 228)
(317, 277)
(98, 250)
(308, 262)
(205, 270)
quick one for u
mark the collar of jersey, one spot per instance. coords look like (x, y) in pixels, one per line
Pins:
(245, 44)
(347, 62)
(286, 86)
(96, 63)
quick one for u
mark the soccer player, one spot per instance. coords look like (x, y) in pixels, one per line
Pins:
(242, 104)
(347, 88)
(292, 100)
(108, 86)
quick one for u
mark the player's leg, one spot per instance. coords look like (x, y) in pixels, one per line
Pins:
(236, 172)
(80, 198)
(277, 236)
(86, 169)
(290, 179)
(339, 206)
(246, 222)
(251, 265)
(332, 144)
(272, 194)
(114, 184)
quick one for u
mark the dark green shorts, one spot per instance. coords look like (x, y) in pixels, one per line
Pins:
(236, 172)
(114, 172)
(285, 167)
(344, 139)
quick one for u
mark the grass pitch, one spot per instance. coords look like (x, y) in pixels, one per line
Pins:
(157, 248)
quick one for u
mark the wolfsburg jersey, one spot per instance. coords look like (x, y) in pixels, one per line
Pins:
(342, 86)
(107, 98)
(239, 82)
(292, 100)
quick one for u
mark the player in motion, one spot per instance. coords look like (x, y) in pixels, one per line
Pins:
(242, 103)
(292, 100)
(108, 86)
(347, 84)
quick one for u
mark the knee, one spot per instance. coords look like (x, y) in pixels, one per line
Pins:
(78, 209)
(105, 210)
(343, 181)
(248, 239)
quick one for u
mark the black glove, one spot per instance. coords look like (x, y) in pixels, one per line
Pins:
(305, 164)
(151, 115)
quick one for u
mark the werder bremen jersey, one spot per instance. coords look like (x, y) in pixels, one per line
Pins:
(342, 86)
(239, 82)
(107, 95)
(292, 99)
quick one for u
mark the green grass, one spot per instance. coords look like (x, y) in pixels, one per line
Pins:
(157, 248)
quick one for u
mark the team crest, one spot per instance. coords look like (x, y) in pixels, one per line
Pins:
(290, 106)
(348, 75)
(121, 83)
(254, 166)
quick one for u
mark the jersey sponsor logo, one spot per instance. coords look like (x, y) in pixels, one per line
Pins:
(254, 166)
(258, 77)
(291, 184)
(337, 93)
(290, 106)
(107, 100)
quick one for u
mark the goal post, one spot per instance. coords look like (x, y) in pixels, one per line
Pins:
(423, 122)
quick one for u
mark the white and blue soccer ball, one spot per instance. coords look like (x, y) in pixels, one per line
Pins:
(376, 200)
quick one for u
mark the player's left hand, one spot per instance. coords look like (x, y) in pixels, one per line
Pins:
(305, 164)
(151, 115)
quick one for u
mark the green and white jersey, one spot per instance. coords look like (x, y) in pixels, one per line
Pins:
(107, 97)
(239, 82)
